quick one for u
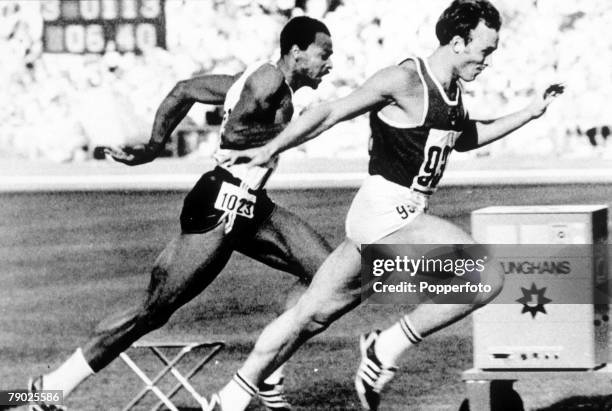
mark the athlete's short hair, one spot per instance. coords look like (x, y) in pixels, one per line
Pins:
(462, 16)
(300, 31)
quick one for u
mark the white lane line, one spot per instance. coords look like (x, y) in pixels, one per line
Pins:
(295, 180)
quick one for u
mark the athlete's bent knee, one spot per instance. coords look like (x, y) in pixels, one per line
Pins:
(484, 272)
(316, 325)
(152, 319)
(311, 319)
(494, 278)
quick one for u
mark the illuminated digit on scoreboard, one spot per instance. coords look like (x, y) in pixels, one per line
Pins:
(94, 38)
(50, 10)
(75, 38)
(129, 9)
(109, 9)
(70, 10)
(54, 39)
(146, 36)
(90, 10)
(150, 9)
(125, 37)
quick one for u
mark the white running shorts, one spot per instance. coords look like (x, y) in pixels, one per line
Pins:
(380, 208)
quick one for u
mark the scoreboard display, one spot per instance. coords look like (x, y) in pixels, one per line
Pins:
(87, 26)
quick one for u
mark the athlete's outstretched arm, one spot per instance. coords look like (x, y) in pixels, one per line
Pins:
(378, 90)
(207, 89)
(478, 133)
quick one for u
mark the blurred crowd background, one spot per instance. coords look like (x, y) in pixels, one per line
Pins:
(61, 106)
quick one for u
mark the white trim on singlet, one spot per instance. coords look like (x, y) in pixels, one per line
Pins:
(439, 86)
(285, 80)
(398, 124)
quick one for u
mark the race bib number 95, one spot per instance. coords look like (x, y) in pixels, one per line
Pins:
(233, 199)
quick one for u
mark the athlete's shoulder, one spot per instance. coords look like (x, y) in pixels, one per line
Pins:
(402, 78)
(266, 80)
(412, 72)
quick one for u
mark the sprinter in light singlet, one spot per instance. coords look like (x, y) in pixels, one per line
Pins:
(228, 209)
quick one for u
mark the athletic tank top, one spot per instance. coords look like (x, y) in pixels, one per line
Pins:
(415, 155)
(248, 136)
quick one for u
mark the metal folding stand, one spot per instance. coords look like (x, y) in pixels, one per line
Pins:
(170, 367)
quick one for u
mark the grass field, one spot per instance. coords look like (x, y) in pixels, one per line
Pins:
(69, 259)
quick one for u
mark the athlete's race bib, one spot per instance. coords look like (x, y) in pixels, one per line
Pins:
(236, 200)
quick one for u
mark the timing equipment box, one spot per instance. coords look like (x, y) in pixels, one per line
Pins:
(546, 316)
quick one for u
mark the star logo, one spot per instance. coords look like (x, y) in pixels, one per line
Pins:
(533, 300)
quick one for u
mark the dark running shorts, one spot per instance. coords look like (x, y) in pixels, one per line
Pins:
(199, 214)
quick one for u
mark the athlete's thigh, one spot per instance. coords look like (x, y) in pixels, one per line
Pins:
(428, 229)
(336, 287)
(187, 265)
(286, 242)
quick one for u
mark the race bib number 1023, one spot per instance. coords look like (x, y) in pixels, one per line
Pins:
(236, 200)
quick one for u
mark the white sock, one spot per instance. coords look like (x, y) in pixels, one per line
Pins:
(276, 376)
(68, 375)
(393, 341)
(237, 394)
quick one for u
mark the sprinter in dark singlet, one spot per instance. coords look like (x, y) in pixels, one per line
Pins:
(398, 149)
(228, 209)
(417, 119)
